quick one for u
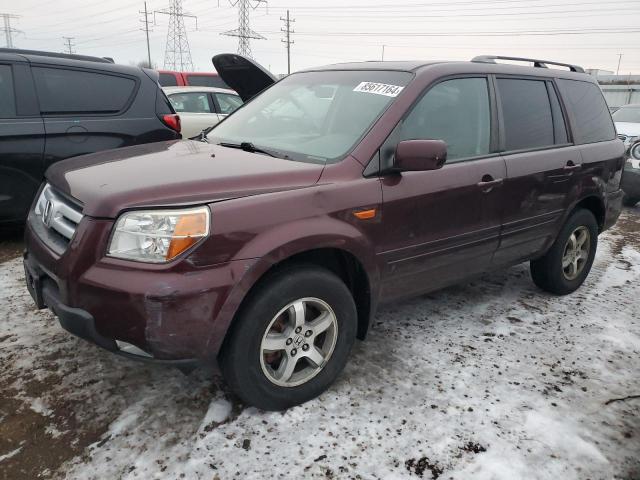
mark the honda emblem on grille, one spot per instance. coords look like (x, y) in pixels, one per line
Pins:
(46, 213)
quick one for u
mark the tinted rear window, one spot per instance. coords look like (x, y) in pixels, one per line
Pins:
(526, 112)
(591, 117)
(167, 80)
(77, 91)
(206, 81)
(7, 96)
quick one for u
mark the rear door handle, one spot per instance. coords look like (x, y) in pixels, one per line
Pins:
(488, 182)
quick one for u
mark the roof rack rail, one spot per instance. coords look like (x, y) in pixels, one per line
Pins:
(86, 58)
(536, 63)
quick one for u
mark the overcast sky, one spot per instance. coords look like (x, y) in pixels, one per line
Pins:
(590, 33)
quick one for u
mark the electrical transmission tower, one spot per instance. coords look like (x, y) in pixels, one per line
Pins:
(177, 54)
(288, 31)
(8, 29)
(146, 30)
(68, 44)
(244, 32)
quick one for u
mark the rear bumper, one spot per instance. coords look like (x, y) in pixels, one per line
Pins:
(613, 208)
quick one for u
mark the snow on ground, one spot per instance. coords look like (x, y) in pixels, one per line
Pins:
(489, 380)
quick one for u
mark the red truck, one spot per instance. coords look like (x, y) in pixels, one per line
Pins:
(170, 78)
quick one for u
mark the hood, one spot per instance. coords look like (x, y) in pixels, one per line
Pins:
(242, 74)
(628, 129)
(179, 172)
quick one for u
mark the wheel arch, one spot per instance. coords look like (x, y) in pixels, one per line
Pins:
(595, 205)
(347, 257)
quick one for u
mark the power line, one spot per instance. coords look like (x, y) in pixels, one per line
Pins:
(412, 15)
(288, 31)
(146, 30)
(177, 52)
(244, 32)
(518, 33)
(8, 29)
(503, 4)
(69, 44)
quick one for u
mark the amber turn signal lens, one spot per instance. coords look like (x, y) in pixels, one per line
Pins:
(365, 214)
(189, 230)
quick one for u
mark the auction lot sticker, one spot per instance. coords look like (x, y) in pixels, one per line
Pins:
(379, 89)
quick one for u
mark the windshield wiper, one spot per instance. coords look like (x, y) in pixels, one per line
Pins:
(250, 147)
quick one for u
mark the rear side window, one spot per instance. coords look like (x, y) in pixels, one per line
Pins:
(455, 111)
(526, 113)
(206, 81)
(77, 91)
(228, 103)
(7, 95)
(167, 80)
(591, 118)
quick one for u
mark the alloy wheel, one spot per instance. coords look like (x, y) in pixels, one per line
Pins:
(576, 253)
(298, 342)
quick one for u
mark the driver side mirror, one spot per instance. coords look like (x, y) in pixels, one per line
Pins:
(420, 155)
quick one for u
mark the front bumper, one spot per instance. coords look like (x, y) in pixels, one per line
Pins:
(176, 313)
(82, 324)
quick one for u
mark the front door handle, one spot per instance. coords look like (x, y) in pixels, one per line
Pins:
(488, 182)
(570, 166)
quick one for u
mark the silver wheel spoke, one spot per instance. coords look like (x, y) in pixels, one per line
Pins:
(583, 255)
(322, 323)
(286, 368)
(297, 312)
(566, 261)
(582, 237)
(315, 356)
(274, 342)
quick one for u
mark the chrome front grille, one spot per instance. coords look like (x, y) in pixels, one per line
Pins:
(55, 218)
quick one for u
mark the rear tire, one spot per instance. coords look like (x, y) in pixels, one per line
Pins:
(567, 263)
(302, 317)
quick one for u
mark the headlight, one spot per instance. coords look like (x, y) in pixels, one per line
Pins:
(158, 236)
(634, 151)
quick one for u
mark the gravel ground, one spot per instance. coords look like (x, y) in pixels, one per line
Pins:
(491, 380)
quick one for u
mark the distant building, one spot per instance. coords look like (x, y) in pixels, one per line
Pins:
(618, 89)
(596, 72)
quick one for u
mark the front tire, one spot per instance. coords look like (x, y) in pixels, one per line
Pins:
(291, 339)
(567, 263)
(630, 201)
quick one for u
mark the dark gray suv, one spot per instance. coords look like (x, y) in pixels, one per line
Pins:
(55, 106)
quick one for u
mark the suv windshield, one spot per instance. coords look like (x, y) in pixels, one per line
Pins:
(627, 114)
(313, 116)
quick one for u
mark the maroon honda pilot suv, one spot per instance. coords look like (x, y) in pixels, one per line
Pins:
(266, 247)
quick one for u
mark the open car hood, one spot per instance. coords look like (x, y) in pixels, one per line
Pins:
(242, 74)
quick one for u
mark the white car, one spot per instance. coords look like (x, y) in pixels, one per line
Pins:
(201, 107)
(627, 120)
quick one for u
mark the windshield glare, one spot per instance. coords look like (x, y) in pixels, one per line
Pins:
(313, 116)
(627, 114)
